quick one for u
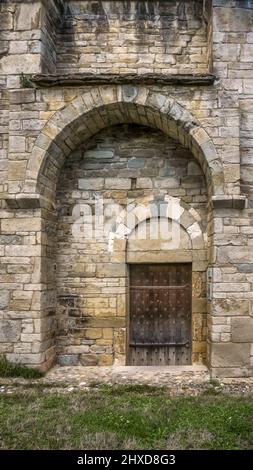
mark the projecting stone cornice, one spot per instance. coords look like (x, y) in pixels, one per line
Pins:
(33, 201)
(229, 201)
(81, 79)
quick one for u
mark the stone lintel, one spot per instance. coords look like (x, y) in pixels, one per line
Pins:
(79, 79)
(229, 202)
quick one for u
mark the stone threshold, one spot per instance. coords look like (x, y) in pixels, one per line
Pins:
(127, 374)
(81, 79)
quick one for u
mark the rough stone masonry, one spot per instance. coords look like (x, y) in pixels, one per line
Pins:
(135, 102)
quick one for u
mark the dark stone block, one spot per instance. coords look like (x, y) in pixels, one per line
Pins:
(245, 268)
(10, 240)
(68, 359)
(136, 163)
(89, 360)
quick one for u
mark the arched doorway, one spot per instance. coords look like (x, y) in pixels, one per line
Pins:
(128, 179)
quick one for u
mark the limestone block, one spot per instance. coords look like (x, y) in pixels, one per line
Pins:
(4, 299)
(17, 144)
(18, 47)
(107, 333)
(109, 322)
(233, 254)
(93, 333)
(27, 16)
(167, 183)
(20, 63)
(105, 360)
(105, 312)
(231, 287)
(89, 359)
(97, 302)
(120, 341)
(231, 173)
(6, 20)
(242, 329)
(23, 251)
(117, 183)
(111, 270)
(22, 348)
(143, 183)
(10, 331)
(230, 354)
(26, 95)
(82, 349)
(16, 170)
(27, 326)
(91, 183)
(21, 225)
(19, 305)
(231, 19)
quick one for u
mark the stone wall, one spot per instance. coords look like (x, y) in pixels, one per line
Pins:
(134, 36)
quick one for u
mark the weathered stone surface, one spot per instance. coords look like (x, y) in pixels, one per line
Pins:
(22, 96)
(10, 331)
(136, 163)
(245, 268)
(93, 333)
(111, 270)
(117, 183)
(27, 16)
(4, 299)
(16, 171)
(231, 254)
(68, 359)
(17, 144)
(242, 330)
(91, 183)
(230, 354)
(10, 240)
(89, 359)
(23, 224)
(230, 307)
(18, 63)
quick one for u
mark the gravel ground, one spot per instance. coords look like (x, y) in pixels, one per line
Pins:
(189, 381)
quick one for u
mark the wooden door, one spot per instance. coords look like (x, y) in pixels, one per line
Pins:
(160, 314)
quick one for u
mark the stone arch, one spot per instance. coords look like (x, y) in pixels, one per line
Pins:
(195, 253)
(170, 207)
(106, 106)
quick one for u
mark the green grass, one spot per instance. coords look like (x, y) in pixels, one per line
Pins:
(124, 417)
(8, 369)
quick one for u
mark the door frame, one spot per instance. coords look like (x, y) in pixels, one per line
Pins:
(129, 264)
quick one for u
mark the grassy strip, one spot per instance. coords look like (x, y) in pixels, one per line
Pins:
(124, 418)
(8, 369)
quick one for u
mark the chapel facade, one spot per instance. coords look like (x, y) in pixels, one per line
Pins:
(126, 183)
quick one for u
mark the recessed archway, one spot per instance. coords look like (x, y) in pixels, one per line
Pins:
(142, 251)
(106, 106)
